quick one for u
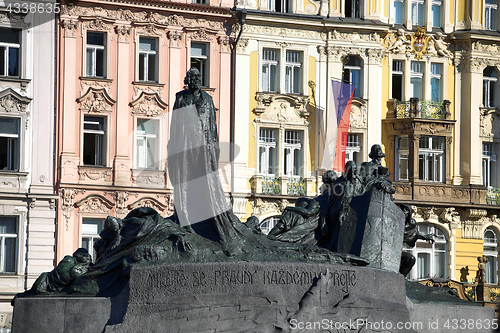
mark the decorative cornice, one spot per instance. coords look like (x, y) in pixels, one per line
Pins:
(96, 100)
(272, 107)
(13, 19)
(11, 101)
(94, 204)
(149, 202)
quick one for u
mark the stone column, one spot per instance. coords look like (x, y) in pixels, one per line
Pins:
(123, 158)
(413, 141)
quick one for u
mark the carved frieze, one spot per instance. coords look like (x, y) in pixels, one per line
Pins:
(148, 177)
(149, 202)
(279, 108)
(417, 43)
(96, 100)
(87, 83)
(13, 19)
(97, 23)
(200, 33)
(123, 31)
(94, 174)
(268, 207)
(490, 124)
(121, 199)
(148, 104)
(149, 28)
(355, 37)
(359, 115)
(284, 32)
(94, 204)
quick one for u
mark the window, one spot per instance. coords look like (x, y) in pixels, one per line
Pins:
(436, 13)
(353, 149)
(353, 74)
(268, 151)
(436, 71)
(280, 6)
(417, 12)
(399, 10)
(94, 139)
(397, 79)
(148, 63)
(402, 158)
(9, 144)
(270, 70)
(269, 223)
(10, 52)
(490, 249)
(431, 159)
(353, 8)
(199, 60)
(490, 15)
(489, 164)
(293, 72)
(200, 2)
(293, 153)
(431, 259)
(416, 79)
(8, 244)
(147, 144)
(489, 87)
(91, 228)
(96, 54)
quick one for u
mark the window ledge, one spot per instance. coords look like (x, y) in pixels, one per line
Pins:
(149, 178)
(94, 173)
(13, 181)
(148, 83)
(22, 82)
(95, 78)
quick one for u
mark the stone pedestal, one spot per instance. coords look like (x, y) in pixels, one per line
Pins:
(240, 297)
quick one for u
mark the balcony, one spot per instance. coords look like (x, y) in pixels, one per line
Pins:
(493, 196)
(290, 186)
(414, 108)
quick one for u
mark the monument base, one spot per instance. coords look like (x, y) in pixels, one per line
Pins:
(249, 297)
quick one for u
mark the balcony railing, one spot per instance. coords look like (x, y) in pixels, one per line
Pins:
(414, 108)
(271, 185)
(493, 196)
(296, 186)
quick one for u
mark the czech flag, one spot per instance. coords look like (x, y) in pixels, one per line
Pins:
(337, 126)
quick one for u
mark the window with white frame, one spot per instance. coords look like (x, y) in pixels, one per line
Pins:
(490, 14)
(354, 148)
(436, 13)
(148, 59)
(9, 143)
(432, 259)
(431, 159)
(270, 70)
(489, 87)
(280, 6)
(268, 224)
(417, 79)
(353, 8)
(94, 141)
(402, 158)
(147, 144)
(399, 11)
(398, 80)
(353, 74)
(490, 248)
(199, 60)
(268, 153)
(91, 228)
(417, 12)
(436, 83)
(96, 54)
(8, 243)
(489, 160)
(293, 153)
(293, 72)
(10, 52)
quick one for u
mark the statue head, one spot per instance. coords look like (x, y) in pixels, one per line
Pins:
(302, 202)
(193, 79)
(329, 177)
(376, 152)
(350, 169)
(82, 256)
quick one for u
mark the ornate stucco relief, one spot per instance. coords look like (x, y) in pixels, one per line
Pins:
(148, 104)
(94, 204)
(96, 100)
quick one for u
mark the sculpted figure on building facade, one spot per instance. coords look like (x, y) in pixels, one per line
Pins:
(441, 46)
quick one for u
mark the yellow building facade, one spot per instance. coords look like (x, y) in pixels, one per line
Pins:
(426, 89)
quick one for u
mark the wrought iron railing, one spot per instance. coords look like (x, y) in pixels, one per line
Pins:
(493, 196)
(296, 186)
(271, 185)
(425, 109)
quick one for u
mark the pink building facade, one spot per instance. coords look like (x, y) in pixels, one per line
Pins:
(120, 65)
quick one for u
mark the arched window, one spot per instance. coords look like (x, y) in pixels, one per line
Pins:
(490, 249)
(490, 78)
(269, 223)
(431, 259)
(353, 74)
